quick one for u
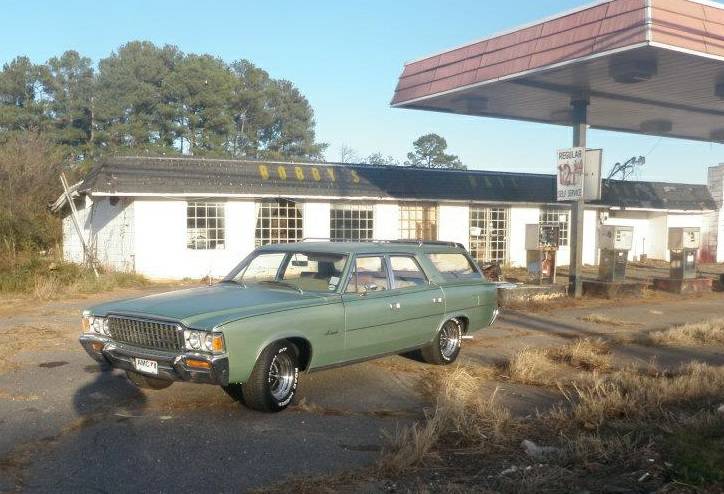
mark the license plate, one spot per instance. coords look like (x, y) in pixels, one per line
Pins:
(147, 366)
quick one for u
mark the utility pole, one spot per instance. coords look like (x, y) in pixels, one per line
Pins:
(579, 112)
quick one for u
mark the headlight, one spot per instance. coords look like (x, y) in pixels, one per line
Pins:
(195, 340)
(93, 324)
(204, 341)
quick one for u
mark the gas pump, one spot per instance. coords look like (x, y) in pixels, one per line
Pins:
(541, 245)
(684, 244)
(615, 242)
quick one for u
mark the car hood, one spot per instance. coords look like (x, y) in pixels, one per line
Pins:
(206, 307)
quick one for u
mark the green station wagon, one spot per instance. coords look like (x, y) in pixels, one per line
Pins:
(297, 307)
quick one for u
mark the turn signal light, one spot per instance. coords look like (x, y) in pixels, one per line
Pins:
(201, 364)
(217, 345)
(85, 324)
(97, 346)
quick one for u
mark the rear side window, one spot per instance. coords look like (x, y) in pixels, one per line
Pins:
(369, 275)
(454, 266)
(406, 272)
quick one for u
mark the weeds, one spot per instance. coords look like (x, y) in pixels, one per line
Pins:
(628, 430)
(701, 333)
(45, 278)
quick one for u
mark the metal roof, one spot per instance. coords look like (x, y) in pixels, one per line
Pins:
(192, 177)
(646, 66)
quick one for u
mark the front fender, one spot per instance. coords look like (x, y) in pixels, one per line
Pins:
(322, 326)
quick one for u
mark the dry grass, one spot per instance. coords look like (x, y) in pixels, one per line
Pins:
(587, 354)
(46, 288)
(532, 366)
(619, 431)
(702, 333)
(607, 321)
(460, 411)
(553, 366)
(631, 395)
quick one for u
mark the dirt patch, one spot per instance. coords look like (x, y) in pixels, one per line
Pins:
(26, 339)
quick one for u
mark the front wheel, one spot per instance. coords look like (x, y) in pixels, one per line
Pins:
(445, 347)
(273, 381)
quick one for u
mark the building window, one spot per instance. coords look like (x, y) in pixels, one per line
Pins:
(418, 221)
(205, 225)
(278, 221)
(489, 234)
(351, 222)
(556, 217)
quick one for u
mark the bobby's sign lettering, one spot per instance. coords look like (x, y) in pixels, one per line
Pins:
(307, 173)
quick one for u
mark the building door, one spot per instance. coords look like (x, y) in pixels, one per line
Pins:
(489, 234)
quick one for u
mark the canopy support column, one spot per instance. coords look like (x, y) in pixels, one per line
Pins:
(575, 274)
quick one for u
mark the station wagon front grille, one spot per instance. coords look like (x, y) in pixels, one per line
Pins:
(146, 333)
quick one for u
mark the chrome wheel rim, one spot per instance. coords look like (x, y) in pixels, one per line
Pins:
(449, 339)
(281, 376)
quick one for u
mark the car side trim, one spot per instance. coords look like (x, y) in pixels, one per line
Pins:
(363, 359)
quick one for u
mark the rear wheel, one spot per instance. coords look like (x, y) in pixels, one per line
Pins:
(147, 382)
(273, 381)
(445, 348)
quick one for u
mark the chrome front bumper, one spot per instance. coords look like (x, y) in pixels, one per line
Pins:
(171, 366)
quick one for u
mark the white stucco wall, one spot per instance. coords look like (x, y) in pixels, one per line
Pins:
(387, 221)
(315, 219)
(590, 237)
(108, 229)
(161, 250)
(639, 220)
(454, 223)
(519, 217)
(72, 245)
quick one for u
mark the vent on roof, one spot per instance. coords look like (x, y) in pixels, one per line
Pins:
(632, 70)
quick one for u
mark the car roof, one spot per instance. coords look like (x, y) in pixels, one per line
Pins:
(372, 247)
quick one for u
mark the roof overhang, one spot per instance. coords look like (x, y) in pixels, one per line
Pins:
(646, 66)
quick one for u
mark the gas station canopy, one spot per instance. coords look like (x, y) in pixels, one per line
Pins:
(644, 66)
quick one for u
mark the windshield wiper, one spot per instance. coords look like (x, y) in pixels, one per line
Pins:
(284, 284)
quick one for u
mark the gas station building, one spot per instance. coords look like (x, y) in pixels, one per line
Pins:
(187, 217)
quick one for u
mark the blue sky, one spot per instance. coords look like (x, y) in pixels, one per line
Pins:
(346, 57)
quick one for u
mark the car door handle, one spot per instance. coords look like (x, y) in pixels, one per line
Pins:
(395, 306)
(437, 300)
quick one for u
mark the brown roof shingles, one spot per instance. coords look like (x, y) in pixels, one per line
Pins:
(600, 28)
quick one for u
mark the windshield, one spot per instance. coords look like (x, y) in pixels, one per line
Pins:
(306, 271)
